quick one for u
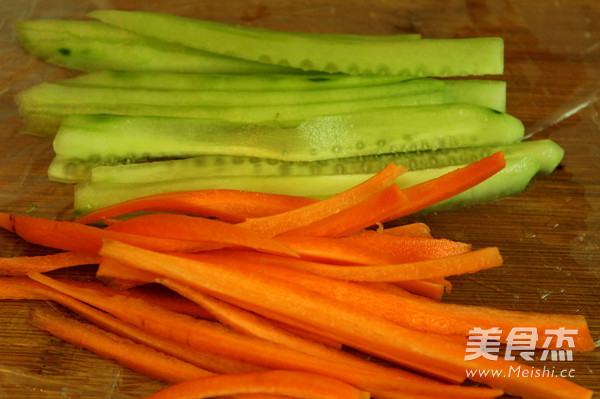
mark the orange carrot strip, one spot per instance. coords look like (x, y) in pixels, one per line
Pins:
(30, 289)
(114, 274)
(362, 215)
(408, 249)
(416, 229)
(134, 356)
(230, 205)
(334, 250)
(425, 288)
(413, 349)
(424, 315)
(21, 265)
(71, 236)
(214, 338)
(286, 221)
(21, 288)
(292, 384)
(469, 262)
(423, 195)
(246, 322)
(424, 352)
(193, 228)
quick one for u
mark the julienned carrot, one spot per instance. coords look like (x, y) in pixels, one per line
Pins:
(209, 231)
(212, 337)
(406, 347)
(362, 215)
(334, 250)
(423, 195)
(292, 384)
(424, 288)
(21, 265)
(112, 273)
(424, 352)
(247, 322)
(419, 313)
(469, 262)
(229, 205)
(416, 229)
(134, 356)
(71, 236)
(286, 221)
(408, 249)
(201, 359)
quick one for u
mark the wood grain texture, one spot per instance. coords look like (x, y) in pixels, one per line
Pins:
(549, 235)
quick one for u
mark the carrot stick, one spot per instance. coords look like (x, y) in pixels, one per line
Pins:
(436, 190)
(417, 350)
(469, 262)
(71, 236)
(229, 205)
(117, 275)
(214, 338)
(21, 265)
(290, 220)
(134, 356)
(292, 384)
(362, 215)
(416, 229)
(406, 347)
(193, 228)
(408, 249)
(246, 322)
(424, 288)
(333, 250)
(420, 313)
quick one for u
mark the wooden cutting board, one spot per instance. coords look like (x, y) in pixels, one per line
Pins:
(549, 235)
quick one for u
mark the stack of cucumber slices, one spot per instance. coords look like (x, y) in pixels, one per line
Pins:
(170, 103)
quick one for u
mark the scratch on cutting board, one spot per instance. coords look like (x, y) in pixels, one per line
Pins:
(111, 391)
(567, 110)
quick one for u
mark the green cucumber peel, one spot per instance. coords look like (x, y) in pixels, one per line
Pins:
(94, 46)
(378, 131)
(509, 181)
(472, 56)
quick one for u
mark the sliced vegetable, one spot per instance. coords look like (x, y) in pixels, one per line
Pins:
(310, 52)
(21, 265)
(134, 356)
(279, 382)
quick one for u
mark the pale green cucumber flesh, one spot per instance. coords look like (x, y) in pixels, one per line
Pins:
(226, 82)
(546, 152)
(270, 115)
(512, 179)
(476, 56)
(93, 46)
(488, 93)
(101, 98)
(416, 128)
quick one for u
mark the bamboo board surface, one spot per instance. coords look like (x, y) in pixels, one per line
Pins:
(549, 235)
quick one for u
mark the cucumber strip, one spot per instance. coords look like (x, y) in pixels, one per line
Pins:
(488, 93)
(93, 46)
(546, 152)
(226, 82)
(46, 121)
(425, 57)
(73, 97)
(511, 180)
(404, 129)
